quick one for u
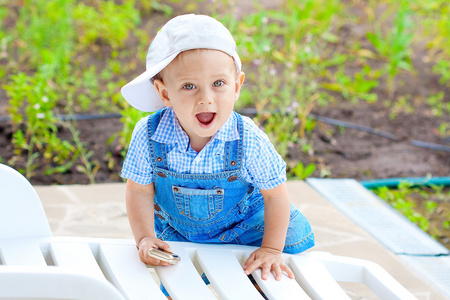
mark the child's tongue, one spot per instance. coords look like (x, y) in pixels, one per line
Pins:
(205, 117)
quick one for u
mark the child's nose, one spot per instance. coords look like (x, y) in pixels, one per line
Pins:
(206, 96)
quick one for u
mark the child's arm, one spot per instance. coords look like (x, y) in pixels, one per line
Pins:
(139, 202)
(276, 220)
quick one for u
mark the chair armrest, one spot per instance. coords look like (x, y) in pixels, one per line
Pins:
(53, 283)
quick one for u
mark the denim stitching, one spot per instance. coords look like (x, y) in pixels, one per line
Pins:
(303, 240)
(233, 150)
(234, 210)
(240, 141)
(220, 175)
(183, 204)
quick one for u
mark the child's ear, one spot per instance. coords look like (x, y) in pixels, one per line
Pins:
(238, 84)
(163, 92)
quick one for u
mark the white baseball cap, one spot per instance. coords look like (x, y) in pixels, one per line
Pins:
(182, 33)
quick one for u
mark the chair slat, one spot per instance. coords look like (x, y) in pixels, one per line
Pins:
(37, 282)
(367, 272)
(182, 280)
(22, 253)
(76, 255)
(122, 267)
(226, 274)
(279, 290)
(315, 278)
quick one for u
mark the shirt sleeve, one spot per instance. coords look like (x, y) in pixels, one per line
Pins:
(137, 165)
(264, 165)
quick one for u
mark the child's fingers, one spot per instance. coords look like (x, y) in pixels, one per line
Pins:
(277, 272)
(265, 271)
(252, 267)
(145, 258)
(152, 261)
(142, 255)
(148, 244)
(163, 246)
(288, 271)
(155, 262)
(249, 260)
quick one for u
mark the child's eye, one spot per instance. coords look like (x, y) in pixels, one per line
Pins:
(218, 83)
(189, 86)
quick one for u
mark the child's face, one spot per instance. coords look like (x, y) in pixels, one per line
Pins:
(201, 86)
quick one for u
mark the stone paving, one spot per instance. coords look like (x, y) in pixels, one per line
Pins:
(99, 211)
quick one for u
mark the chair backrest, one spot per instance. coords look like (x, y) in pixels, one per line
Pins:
(21, 211)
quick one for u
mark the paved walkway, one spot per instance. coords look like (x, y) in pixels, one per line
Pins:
(99, 211)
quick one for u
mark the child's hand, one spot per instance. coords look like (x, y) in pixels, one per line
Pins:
(148, 243)
(268, 260)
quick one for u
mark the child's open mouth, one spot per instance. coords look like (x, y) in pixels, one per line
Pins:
(205, 118)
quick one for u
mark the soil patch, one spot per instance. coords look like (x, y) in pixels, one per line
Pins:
(361, 155)
(339, 152)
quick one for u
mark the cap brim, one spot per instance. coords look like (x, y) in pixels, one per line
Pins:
(141, 93)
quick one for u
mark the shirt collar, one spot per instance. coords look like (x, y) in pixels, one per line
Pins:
(228, 132)
(169, 131)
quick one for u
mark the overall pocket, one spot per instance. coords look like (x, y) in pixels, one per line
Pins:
(198, 205)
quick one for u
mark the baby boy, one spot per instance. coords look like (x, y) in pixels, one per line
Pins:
(196, 170)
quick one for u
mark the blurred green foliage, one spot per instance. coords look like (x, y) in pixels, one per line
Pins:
(427, 207)
(68, 57)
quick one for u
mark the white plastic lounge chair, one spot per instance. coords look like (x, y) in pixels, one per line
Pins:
(34, 264)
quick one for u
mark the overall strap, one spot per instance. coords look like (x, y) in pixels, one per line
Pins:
(234, 149)
(157, 150)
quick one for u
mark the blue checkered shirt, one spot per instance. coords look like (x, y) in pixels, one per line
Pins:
(262, 166)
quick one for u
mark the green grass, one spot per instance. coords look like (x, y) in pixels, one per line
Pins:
(427, 207)
(67, 56)
(393, 44)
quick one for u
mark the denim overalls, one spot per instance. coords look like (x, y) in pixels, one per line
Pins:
(215, 208)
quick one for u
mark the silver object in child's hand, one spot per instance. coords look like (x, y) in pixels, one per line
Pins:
(171, 258)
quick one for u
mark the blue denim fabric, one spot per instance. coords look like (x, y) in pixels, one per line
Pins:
(215, 208)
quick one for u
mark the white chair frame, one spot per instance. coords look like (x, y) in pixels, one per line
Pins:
(35, 264)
